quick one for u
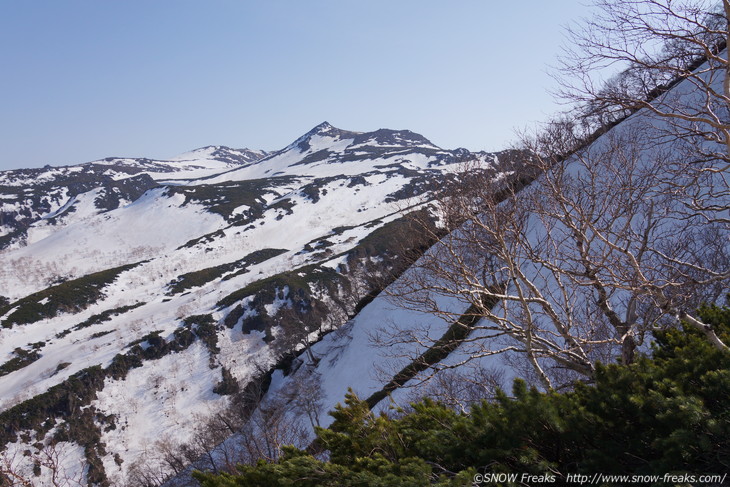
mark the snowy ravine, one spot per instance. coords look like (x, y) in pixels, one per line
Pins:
(137, 296)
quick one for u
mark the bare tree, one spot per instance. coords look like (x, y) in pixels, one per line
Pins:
(271, 426)
(576, 267)
(459, 389)
(50, 458)
(253, 427)
(147, 471)
(11, 471)
(673, 62)
(303, 395)
(625, 229)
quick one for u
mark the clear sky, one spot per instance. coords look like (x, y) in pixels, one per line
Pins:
(85, 79)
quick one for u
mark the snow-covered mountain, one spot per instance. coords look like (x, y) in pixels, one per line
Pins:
(32, 199)
(642, 151)
(138, 296)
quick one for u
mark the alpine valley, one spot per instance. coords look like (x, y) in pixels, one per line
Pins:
(139, 299)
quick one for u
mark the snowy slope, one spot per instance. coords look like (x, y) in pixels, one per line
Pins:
(127, 320)
(51, 196)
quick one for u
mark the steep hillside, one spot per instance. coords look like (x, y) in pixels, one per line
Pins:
(127, 325)
(621, 238)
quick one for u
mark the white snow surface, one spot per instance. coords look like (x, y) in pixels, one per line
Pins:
(146, 228)
(162, 401)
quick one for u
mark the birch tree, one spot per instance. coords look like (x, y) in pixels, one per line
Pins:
(626, 227)
(673, 65)
(579, 266)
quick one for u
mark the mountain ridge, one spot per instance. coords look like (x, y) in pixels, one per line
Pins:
(202, 279)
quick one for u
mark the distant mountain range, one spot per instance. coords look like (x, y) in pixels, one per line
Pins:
(139, 296)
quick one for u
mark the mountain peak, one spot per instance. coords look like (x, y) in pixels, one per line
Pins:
(322, 127)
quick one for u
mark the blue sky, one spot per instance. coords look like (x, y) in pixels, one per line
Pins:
(86, 79)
